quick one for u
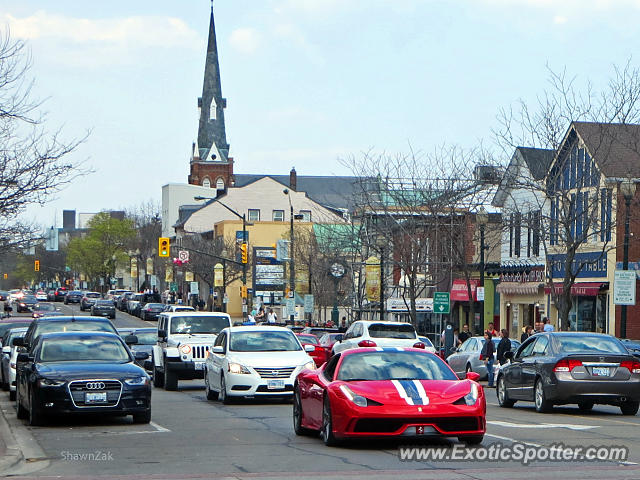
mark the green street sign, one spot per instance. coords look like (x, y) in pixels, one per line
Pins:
(441, 302)
(173, 286)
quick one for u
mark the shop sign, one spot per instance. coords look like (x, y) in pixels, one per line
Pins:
(536, 275)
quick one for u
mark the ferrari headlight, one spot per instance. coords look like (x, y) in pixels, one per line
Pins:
(137, 380)
(359, 400)
(49, 382)
(237, 368)
(310, 365)
(472, 397)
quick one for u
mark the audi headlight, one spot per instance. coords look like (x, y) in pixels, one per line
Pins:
(237, 368)
(137, 380)
(359, 400)
(48, 382)
(310, 365)
(472, 397)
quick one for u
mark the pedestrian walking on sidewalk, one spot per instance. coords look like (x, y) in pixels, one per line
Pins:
(487, 356)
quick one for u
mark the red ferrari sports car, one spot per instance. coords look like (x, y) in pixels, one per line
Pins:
(388, 392)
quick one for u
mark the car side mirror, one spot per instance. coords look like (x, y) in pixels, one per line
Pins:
(141, 355)
(131, 339)
(309, 348)
(18, 342)
(24, 357)
(218, 349)
(508, 355)
(473, 376)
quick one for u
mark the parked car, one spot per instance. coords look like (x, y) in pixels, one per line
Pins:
(466, 358)
(399, 392)
(74, 296)
(151, 311)
(134, 304)
(104, 308)
(88, 300)
(254, 361)
(319, 354)
(26, 303)
(121, 302)
(365, 333)
(559, 368)
(8, 361)
(81, 373)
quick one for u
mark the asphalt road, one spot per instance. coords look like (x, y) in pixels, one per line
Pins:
(191, 437)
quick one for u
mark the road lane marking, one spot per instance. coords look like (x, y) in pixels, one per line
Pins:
(499, 423)
(159, 428)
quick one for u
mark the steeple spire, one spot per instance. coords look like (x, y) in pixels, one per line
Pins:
(212, 138)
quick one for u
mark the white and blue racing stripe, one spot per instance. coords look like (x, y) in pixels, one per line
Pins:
(411, 391)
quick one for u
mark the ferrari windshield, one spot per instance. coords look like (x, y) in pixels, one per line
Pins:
(393, 365)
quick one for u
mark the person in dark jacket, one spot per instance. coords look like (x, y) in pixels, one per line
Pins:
(528, 331)
(487, 356)
(503, 346)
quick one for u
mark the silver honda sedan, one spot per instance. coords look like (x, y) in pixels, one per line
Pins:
(467, 357)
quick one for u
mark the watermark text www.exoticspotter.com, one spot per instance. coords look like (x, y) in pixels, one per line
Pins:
(95, 456)
(515, 452)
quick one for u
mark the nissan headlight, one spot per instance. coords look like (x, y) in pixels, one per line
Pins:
(310, 365)
(49, 382)
(136, 381)
(237, 368)
(472, 397)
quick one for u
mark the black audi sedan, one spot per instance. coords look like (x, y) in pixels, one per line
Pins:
(559, 368)
(74, 296)
(104, 308)
(82, 373)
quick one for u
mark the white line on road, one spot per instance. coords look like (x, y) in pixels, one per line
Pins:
(159, 428)
(499, 423)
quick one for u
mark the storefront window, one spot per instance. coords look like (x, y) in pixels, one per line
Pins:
(588, 314)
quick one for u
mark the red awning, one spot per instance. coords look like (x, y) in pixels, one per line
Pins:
(580, 289)
(459, 291)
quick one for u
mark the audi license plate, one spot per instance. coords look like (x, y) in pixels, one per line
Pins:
(600, 371)
(275, 384)
(95, 397)
(199, 365)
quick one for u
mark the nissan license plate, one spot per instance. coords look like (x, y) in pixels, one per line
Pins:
(199, 365)
(600, 371)
(95, 397)
(275, 384)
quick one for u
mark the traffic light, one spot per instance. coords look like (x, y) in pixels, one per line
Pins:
(36, 266)
(243, 291)
(243, 251)
(6, 275)
(163, 247)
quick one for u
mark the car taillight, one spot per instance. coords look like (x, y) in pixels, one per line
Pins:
(566, 365)
(367, 343)
(632, 365)
(419, 345)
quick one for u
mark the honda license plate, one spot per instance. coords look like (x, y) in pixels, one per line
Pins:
(275, 384)
(95, 397)
(600, 371)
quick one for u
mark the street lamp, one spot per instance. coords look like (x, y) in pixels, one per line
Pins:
(292, 284)
(244, 240)
(380, 243)
(628, 190)
(482, 218)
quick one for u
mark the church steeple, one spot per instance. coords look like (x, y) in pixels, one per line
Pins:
(211, 165)
(212, 138)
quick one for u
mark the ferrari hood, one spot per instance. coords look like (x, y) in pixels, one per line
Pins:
(412, 392)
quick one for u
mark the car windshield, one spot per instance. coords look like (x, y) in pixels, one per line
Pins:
(82, 349)
(200, 324)
(77, 326)
(262, 341)
(400, 331)
(104, 303)
(393, 365)
(155, 306)
(589, 344)
(29, 298)
(92, 295)
(45, 307)
(146, 338)
(308, 339)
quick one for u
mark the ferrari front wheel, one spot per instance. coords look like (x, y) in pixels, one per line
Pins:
(328, 437)
(297, 414)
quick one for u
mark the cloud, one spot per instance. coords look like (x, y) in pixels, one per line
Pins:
(118, 36)
(559, 19)
(245, 40)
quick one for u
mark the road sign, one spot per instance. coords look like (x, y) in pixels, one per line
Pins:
(480, 294)
(173, 286)
(441, 302)
(308, 304)
(183, 256)
(624, 287)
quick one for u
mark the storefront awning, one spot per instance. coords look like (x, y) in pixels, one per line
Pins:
(519, 288)
(460, 292)
(580, 289)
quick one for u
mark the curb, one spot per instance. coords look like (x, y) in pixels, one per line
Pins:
(10, 454)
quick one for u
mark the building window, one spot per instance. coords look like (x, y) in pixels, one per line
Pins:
(306, 215)
(254, 215)
(536, 233)
(511, 235)
(606, 197)
(220, 184)
(528, 234)
(278, 215)
(206, 182)
(517, 234)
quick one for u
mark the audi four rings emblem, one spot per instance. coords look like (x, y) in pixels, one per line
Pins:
(95, 386)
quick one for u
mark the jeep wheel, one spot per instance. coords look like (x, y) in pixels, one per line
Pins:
(170, 379)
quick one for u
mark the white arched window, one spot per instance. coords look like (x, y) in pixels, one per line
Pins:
(206, 182)
(220, 184)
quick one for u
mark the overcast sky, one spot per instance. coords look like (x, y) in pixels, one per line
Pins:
(307, 81)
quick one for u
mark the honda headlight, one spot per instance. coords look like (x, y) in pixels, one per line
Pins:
(359, 400)
(237, 368)
(137, 380)
(49, 382)
(472, 397)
